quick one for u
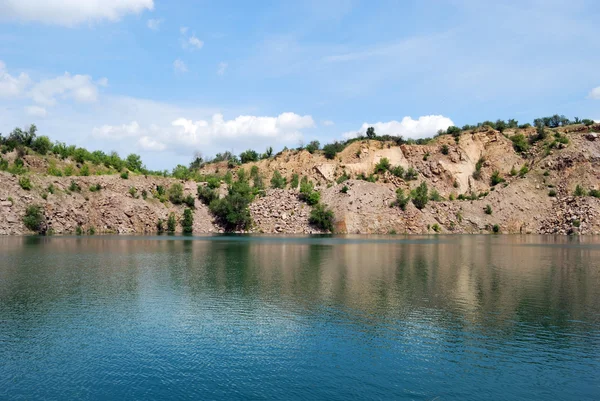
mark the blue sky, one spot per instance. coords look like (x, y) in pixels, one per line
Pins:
(166, 79)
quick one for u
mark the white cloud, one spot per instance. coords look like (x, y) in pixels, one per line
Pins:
(595, 93)
(71, 12)
(154, 24)
(150, 144)
(179, 66)
(10, 85)
(195, 42)
(183, 30)
(424, 126)
(328, 123)
(102, 82)
(78, 87)
(222, 68)
(36, 111)
(130, 130)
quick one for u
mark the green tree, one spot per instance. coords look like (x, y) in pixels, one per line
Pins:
(420, 197)
(401, 199)
(42, 145)
(383, 165)
(249, 156)
(188, 221)
(34, 218)
(171, 223)
(313, 146)
(277, 181)
(322, 217)
(175, 193)
(133, 162)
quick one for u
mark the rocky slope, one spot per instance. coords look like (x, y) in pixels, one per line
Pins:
(521, 204)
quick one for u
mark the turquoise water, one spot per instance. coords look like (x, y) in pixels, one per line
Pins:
(334, 318)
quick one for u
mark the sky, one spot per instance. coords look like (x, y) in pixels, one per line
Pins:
(167, 79)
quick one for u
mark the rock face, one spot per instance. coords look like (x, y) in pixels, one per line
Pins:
(112, 209)
(520, 204)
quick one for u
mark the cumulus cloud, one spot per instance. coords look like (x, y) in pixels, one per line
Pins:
(130, 130)
(10, 85)
(36, 111)
(78, 87)
(179, 66)
(595, 93)
(424, 126)
(71, 12)
(222, 68)
(154, 24)
(150, 144)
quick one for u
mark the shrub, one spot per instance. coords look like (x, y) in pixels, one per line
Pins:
(295, 181)
(249, 156)
(78, 230)
(206, 194)
(133, 192)
(277, 181)
(382, 166)
(411, 174)
(520, 143)
(546, 173)
(25, 183)
(445, 149)
(344, 189)
(594, 192)
(496, 228)
(175, 193)
(344, 177)
(50, 189)
(232, 211)
(160, 226)
(488, 209)
(53, 170)
(426, 156)
(3, 164)
(313, 198)
(313, 146)
(188, 221)
(125, 175)
(84, 170)
(524, 170)
(496, 179)
(68, 171)
(435, 195)
(552, 193)
(420, 197)
(171, 223)
(397, 171)
(144, 194)
(436, 227)
(321, 217)
(330, 150)
(74, 187)
(401, 199)
(33, 218)
(190, 201)
(41, 144)
(308, 193)
(96, 188)
(213, 182)
(91, 230)
(579, 191)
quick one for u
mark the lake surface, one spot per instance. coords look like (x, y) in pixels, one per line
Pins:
(330, 318)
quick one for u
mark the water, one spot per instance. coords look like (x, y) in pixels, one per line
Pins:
(338, 318)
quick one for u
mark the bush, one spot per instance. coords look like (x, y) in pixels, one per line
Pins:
(488, 209)
(84, 171)
(277, 181)
(206, 194)
(133, 192)
(313, 146)
(232, 211)
(520, 143)
(397, 171)
(496, 179)
(78, 230)
(249, 156)
(190, 201)
(95, 188)
(188, 221)
(420, 197)
(411, 174)
(25, 183)
(295, 181)
(579, 191)
(41, 144)
(213, 182)
(524, 170)
(33, 218)
(344, 189)
(436, 227)
(594, 192)
(513, 171)
(330, 150)
(175, 193)
(171, 223)
(321, 217)
(125, 175)
(344, 177)
(435, 195)
(74, 187)
(552, 193)
(401, 199)
(445, 149)
(383, 165)
(313, 198)
(496, 228)
(160, 226)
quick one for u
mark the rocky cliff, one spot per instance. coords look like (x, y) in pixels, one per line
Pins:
(535, 193)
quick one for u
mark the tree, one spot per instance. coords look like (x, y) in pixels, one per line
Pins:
(420, 197)
(175, 193)
(197, 162)
(249, 156)
(42, 145)
(171, 223)
(133, 162)
(401, 199)
(188, 221)
(181, 172)
(321, 217)
(371, 133)
(277, 181)
(268, 153)
(34, 218)
(313, 146)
